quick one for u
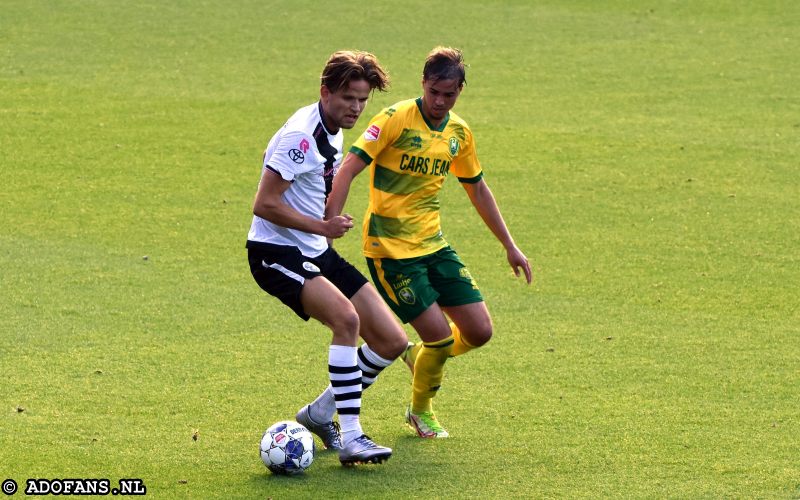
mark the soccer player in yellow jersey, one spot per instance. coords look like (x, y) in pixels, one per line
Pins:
(410, 148)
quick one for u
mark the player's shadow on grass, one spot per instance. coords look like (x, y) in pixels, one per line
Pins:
(326, 464)
(267, 478)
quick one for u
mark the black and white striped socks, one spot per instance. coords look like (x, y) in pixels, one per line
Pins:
(345, 377)
(370, 366)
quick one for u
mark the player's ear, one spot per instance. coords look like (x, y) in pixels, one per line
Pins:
(324, 92)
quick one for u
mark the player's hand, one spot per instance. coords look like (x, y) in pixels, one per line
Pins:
(338, 225)
(518, 260)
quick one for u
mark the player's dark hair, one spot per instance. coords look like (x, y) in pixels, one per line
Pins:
(445, 63)
(345, 66)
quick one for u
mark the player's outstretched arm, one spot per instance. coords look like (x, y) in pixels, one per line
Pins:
(483, 200)
(270, 206)
(351, 167)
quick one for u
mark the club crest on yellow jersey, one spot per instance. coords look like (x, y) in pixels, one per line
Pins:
(454, 145)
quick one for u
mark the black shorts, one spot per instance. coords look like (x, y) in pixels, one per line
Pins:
(281, 271)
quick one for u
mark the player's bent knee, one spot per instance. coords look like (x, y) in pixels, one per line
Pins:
(397, 345)
(476, 337)
(390, 344)
(345, 323)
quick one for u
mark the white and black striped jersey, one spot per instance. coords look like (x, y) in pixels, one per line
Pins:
(306, 154)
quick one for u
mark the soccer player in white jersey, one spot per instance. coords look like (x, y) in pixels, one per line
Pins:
(291, 259)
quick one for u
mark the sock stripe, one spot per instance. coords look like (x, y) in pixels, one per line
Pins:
(362, 359)
(345, 383)
(439, 344)
(347, 396)
(366, 372)
(349, 411)
(341, 370)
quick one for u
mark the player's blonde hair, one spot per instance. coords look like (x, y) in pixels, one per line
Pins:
(445, 63)
(345, 66)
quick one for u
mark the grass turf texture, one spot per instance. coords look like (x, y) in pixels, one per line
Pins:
(645, 157)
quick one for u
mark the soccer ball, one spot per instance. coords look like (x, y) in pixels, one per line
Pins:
(287, 448)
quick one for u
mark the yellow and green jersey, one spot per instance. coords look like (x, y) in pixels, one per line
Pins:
(409, 161)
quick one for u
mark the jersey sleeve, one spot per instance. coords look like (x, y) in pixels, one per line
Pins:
(379, 133)
(293, 155)
(465, 164)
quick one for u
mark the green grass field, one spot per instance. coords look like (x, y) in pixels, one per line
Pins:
(645, 156)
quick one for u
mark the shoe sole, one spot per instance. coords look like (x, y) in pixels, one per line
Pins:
(376, 459)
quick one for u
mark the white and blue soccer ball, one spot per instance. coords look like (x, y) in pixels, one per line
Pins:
(287, 448)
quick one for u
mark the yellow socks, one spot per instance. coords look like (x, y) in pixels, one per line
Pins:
(428, 373)
(429, 359)
(460, 346)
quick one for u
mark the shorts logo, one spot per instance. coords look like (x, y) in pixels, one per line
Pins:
(308, 266)
(372, 133)
(304, 145)
(464, 273)
(454, 145)
(296, 155)
(406, 294)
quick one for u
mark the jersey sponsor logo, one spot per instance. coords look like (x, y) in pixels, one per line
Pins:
(304, 145)
(308, 266)
(372, 133)
(401, 282)
(296, 156)
(425, 165)
(454, 145)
